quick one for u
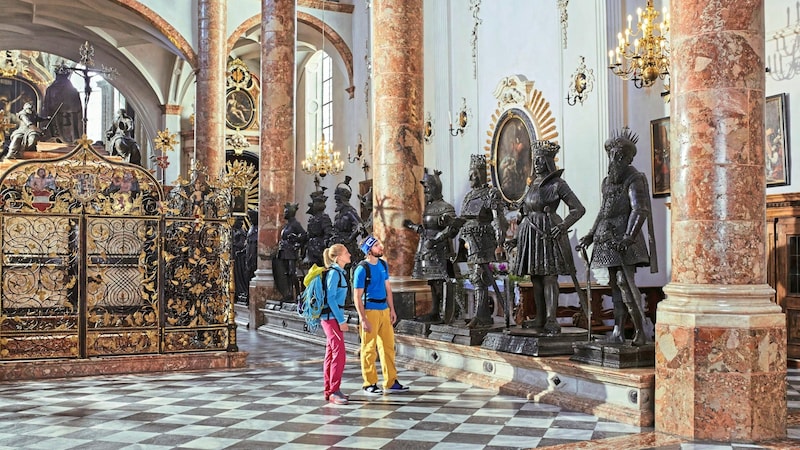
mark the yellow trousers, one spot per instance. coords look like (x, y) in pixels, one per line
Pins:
(378, 342)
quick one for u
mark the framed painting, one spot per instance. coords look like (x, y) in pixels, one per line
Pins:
(777, 141)
(512, 162)
(240, 109)
(659, 142)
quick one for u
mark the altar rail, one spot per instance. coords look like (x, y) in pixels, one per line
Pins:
(96, 261)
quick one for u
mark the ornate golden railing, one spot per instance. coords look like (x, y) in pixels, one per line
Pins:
(96, 260)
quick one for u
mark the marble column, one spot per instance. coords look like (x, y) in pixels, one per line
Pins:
(720, 341)
(210, 98)
(277, 156)
(397, 63)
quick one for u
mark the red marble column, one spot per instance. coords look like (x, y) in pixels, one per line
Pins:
(720, 341)
(277, 157)
(210, 97)
(397, 141)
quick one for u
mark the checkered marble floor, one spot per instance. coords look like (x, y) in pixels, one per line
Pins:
(277, 403)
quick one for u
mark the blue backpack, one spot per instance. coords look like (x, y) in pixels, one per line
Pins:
(314, 299)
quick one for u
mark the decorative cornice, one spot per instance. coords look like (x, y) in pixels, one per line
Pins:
(171, 109)
(329, 6)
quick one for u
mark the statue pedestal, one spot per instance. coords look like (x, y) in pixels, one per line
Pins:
(615, 355)
(413, 328)
(461, 334)
(412, 298)
(533, 342)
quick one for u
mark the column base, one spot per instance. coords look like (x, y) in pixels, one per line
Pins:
(720, 363)
(262, 288)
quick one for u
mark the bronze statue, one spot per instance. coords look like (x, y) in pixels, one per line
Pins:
(433, 260)
(484, 233)
(347, 224)
(320, 229)
(290, 248)
(27, 135)
(63, 102)
(543, 249)
(619, 244)
(120, 139)
(241, 280)
(251, 251)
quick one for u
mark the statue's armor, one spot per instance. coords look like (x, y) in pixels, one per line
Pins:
(346, 226)
(320, 228)
(431, 263)
(478, 231)
(293, 236)
(619, 202)
(537, 253)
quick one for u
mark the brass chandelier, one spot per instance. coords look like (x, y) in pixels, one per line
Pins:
(323, 160)
(647, 60)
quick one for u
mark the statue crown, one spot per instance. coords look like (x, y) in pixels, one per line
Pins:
(477, 162)
(624, 139)
(545, 148)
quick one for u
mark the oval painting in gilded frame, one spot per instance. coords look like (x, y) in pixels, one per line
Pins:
(512, 162)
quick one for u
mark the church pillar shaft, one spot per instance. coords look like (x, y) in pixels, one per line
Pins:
(277, 156)
(720, 341)
(397, 140)
(210, 97)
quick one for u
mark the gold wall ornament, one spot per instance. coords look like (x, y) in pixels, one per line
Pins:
(564, 17)
(428, 130)
(462, 119)
(646, 60)
(580, 84)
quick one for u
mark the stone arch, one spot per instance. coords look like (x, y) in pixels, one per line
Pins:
(331, 36)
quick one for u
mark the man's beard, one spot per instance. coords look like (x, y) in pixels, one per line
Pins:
(376, 253)
(616, 171)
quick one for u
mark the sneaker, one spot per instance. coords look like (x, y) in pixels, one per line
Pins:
(340, 394)
(373, 390)
(397, 388)
(337, 399)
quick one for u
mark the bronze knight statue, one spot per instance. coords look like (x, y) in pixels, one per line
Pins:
(433, 261)
(291, 247)
(483, 232)
(347, 224)
(619, 244)
(320, 229)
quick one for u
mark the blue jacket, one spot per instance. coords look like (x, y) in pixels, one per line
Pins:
(336, 295)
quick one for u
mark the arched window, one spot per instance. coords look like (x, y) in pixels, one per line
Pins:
(319, 98)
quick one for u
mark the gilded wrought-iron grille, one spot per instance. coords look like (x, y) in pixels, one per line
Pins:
(87, 245)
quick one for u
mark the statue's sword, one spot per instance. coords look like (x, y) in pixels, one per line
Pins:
(53, 116)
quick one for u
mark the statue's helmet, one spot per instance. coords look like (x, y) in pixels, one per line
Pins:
(343, 190)
(27, 106)
(625, 140)
(432, 184)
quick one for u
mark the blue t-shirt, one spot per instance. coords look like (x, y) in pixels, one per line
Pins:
(378, 273)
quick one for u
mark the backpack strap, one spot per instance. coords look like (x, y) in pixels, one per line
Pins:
(368, 275)
(322, 277)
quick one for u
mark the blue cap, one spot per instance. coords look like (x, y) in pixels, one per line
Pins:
(367, 244)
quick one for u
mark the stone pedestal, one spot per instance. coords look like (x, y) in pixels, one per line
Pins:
(461, 334)
(413, 328)
(614, 355)
(531, 342)
(412, 298)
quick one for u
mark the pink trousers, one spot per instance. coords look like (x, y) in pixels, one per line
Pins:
(335, 356)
